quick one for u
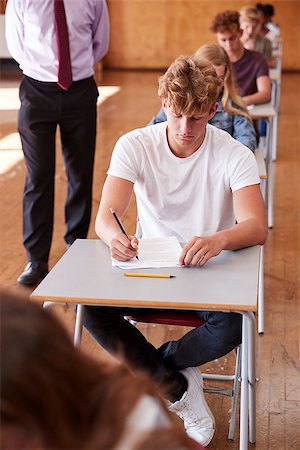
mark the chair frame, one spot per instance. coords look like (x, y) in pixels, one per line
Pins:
(192, 320)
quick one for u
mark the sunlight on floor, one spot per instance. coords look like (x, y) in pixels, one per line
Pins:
(9, 99)
(10, 145)
(107, 91)
(10, 96)
(10, 152)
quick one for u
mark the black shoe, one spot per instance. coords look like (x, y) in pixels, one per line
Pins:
(34, 273)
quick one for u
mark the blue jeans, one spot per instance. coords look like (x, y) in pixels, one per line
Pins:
(220, 334)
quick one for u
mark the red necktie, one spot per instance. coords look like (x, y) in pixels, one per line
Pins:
(62, 36)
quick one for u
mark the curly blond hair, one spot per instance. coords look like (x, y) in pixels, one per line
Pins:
(190, 86)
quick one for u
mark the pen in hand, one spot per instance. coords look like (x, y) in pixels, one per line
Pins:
(119, 223)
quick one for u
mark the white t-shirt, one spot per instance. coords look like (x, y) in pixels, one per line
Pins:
(184, 197)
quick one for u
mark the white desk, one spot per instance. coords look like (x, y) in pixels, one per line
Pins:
(228, 282)
(275, 76)
(277, 52)
(259, 156)
(266, 111)
(262, 111)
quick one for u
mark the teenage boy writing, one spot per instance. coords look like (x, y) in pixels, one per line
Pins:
(196, 182)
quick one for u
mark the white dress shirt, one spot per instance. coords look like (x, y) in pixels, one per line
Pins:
(31, 38)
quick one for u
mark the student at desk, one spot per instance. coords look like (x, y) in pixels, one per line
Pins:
(196, 182)
(250, 68)
(251, 39)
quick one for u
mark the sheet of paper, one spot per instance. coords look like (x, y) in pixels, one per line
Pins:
(154, 252)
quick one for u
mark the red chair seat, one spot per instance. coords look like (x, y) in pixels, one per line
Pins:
(183, 318)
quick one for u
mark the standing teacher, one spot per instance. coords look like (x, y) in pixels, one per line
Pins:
(56, 45)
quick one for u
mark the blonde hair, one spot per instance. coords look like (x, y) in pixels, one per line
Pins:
(190, 86)
(217, 56)
(249, 14)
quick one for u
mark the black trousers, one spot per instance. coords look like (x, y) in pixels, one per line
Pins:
(220, 334)
(44, 106)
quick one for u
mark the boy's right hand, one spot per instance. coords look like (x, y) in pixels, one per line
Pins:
(123, 248)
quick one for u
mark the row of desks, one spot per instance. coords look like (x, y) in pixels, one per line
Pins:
(269, 112)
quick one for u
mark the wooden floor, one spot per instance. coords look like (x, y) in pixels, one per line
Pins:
(128, 101)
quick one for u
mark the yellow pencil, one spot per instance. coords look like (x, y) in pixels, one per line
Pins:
(148, 275)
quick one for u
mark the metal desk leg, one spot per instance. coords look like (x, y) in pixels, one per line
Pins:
(236, 389)
(274, 138)
(278, 95)
(79, 325)
(270, 193)
(263, 188)
(274, 93)
(244, 387)
(261, 300)
(270, 181)
(251, 326)
(248, 400)
(275, 102)
(267, 151)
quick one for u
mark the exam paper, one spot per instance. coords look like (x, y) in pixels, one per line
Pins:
(154, 252)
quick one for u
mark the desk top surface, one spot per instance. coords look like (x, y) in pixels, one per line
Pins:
(262, 111)
(85, 275)
(274, 74)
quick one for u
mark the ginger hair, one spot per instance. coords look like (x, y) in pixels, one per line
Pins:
(190, 86)
(226, 21)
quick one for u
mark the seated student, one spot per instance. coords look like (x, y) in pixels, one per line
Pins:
(251, 39)
(232, 115)
(268, 28)
(55, 397)
(250, 68)
(195, 182)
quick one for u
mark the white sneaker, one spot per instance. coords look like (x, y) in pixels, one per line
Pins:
(192, 408)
